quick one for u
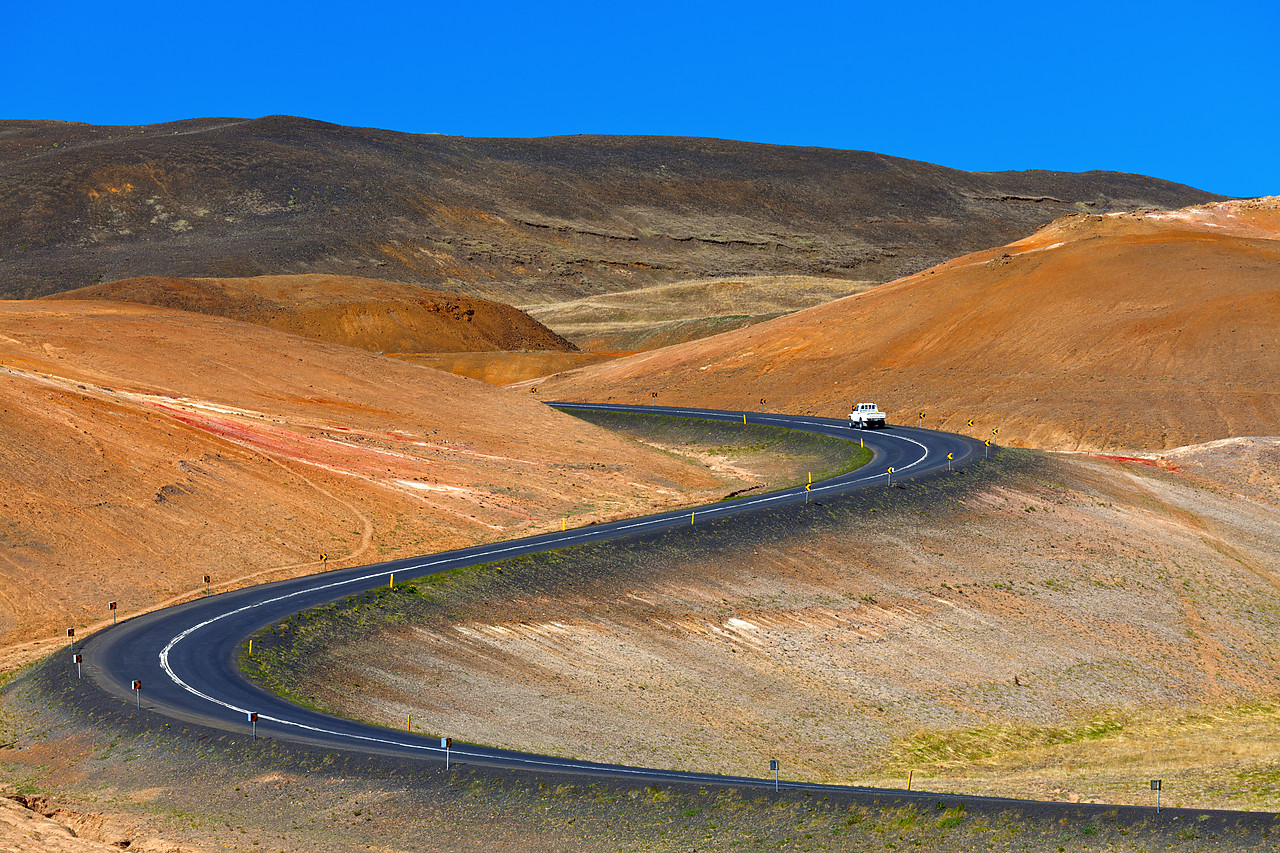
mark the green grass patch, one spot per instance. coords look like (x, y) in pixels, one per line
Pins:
(969, 745)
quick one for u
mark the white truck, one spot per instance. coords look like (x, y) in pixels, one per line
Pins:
(866, 416)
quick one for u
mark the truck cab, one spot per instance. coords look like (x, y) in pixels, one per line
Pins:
(866, 416)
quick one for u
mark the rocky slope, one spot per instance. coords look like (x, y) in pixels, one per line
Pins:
(519, 221)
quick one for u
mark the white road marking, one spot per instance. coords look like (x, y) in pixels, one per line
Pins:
(487, 554)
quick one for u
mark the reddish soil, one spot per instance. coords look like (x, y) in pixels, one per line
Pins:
(1135, 331)
(141, 448)
(380, 316)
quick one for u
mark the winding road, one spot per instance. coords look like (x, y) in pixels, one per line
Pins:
(185, 656)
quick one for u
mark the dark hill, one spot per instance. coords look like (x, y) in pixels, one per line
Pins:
(520, 221)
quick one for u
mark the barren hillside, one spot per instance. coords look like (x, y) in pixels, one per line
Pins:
(1148, 330)
(1065, 629)
(380, 316)
(516, 220)
(141, 448)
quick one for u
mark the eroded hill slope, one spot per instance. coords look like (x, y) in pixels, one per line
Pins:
(1148, 330)
(141, 448)
(380, 316)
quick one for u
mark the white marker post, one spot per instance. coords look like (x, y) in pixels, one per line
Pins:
(446, 743)
(77, 658)
(773, 765)
(253, 721)
(137, 693)
(1155, 786)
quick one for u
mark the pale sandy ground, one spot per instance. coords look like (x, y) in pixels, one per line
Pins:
(25, 828)
(1082, 590)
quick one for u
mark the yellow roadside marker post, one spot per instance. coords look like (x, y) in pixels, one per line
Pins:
(391, 581)
(251, 648)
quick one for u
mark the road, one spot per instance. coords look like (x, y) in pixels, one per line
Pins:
(185, 656)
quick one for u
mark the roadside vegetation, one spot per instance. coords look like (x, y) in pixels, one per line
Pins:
(778, 458)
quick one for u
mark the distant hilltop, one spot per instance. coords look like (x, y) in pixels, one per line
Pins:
(520, 221)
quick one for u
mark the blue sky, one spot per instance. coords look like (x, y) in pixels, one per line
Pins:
(1184, 91)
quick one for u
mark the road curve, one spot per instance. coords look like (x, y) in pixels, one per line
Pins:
(185, 656)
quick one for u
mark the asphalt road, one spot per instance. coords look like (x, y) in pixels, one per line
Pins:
(185, 656)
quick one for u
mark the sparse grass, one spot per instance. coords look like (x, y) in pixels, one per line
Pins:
(783, 458)
(947, 749)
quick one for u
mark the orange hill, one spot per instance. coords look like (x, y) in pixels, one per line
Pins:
(141, 448)
(380, 316)
(1147, 330)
